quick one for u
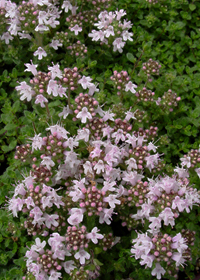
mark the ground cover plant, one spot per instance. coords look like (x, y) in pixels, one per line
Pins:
(99, 133)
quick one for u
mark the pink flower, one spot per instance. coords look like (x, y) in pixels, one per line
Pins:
(68, 266)
(55, 44)
(37, 142)
(106, 216)
(186, 162)
(178, 203)
(25, 91)
(39, 246)
(85, 82)
(59, 130)
(55, 71)
(118, 135)
(67, 6)
(48, 162)
(54, 275)
(94, 236)
(179, 243)
(66, 111)
(97, 35)
(84, 115)
(130, 115)
(127, 35)
(40, 99)
(152, 161)
(158, 271)
(51, 220)
(120, 14)
(76, 29)
(109, 31)
(20, 189)
(31, 68)
(7, 37)
(40, 53)
(131, 177)
(155, 224)
(111, 199)
(99, 167)
(82, 255)
(178, 258)
(167, 216)
(83, 134)
(76, 216)
(147, 260)
(130, 87)
(118, 45)
(15, 205)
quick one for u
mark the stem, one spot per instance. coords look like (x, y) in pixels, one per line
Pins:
(68, 100)
(38, 39)
(34, 127)
(47, 108)
(136, 64)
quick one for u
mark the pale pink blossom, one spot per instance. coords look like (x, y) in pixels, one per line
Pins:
(39, 246)
(111, 199)
(31, 68)
(68, 266)
(130, 87)
(7, 37)
(37, 142)
(84, 114)
(76, 216)
(94, 236)
(82, 255)
(40, 53)
(76, 29)
(40, 99)
(48, 162)
(85, 82)
(118, 44)
(55, 44)
(55, 71)
(158, 271)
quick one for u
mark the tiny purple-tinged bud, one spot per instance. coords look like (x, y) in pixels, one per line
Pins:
(169, 254)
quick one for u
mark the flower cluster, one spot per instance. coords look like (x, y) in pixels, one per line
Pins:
(55, 83)
(150, 68)
(96, 187)
(191, 160)
(168, 101)
(111, 30)
(78, 49)
(145, 95)
(162, 252)
(122, 82)
(96, 163)
(38, 16)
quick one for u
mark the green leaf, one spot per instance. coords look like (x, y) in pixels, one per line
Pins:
(11, 146)
(7, 242)
(192, 7)
(97, 250)
(131, 58)
(14, 73)
(10, 126)
(92, 63)
(20, 262)
(97, 262)
(16, 106)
